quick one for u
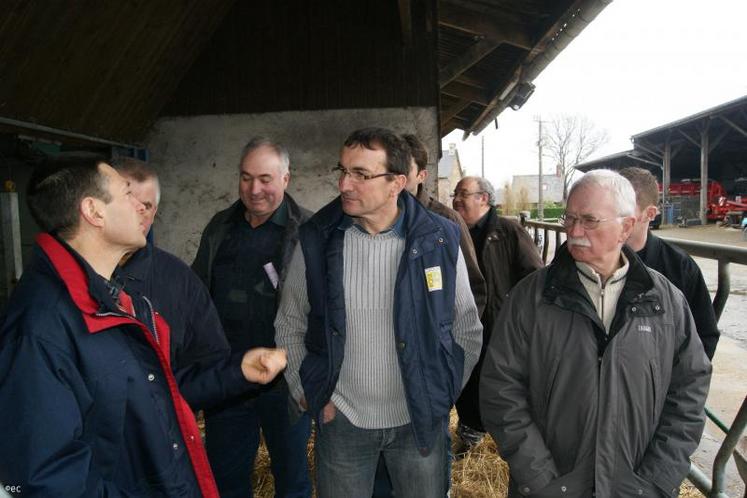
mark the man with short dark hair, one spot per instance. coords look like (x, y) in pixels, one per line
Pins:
(90, 404)
(242, 259)
(594, 380)
(669, 260)
(506, 254)
(380, 326)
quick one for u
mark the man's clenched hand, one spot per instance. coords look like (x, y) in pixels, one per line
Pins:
(261, 365)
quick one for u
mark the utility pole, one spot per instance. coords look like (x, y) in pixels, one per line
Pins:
(482, 165)
(540, 204)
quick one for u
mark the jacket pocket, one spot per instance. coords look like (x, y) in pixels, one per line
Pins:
(631, 484)
(576, 484)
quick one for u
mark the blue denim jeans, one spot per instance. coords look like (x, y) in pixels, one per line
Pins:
(347, 457)
(232, 440)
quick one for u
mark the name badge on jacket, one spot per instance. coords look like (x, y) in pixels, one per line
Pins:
(272, 274)
(433, 278)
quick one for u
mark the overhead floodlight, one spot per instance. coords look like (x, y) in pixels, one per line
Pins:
(521, 95)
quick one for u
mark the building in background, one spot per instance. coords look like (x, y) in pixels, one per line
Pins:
(449, 173)
(552, 188)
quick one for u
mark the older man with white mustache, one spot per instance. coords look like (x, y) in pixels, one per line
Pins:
(594, 380)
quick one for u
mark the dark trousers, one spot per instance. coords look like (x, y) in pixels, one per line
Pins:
(232, 440)
(468, 404)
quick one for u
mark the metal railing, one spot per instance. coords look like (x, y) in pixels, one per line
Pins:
(725, 255)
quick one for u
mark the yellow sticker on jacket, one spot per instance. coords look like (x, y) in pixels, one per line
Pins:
(433, 278)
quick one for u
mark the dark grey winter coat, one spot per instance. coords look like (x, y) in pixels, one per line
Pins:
(575, 411)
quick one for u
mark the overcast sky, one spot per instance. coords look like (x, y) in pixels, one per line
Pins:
(638, 65)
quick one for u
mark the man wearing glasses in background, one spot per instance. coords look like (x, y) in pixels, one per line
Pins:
(594, 380)
(380, 326)
(506, 254)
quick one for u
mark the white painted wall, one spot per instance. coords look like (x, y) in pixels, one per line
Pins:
(197, 160)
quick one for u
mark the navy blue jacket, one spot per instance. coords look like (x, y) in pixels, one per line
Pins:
(430, 360)
(200, 354)
(90, 406)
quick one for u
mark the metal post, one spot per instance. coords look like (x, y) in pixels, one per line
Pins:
(727, 447)
(665, 179)
(540, 204)
(724, 286)
(11, 240)
(704, 172)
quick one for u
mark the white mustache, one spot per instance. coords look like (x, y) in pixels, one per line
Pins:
(583, 242)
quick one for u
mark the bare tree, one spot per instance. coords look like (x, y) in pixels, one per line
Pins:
(523, 202)
(569, 139)
(509, 203)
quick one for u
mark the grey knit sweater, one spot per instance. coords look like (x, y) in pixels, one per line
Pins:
(370, 391)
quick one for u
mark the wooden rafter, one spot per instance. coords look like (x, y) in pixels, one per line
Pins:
(472, 56)
(473, 82)
(493, 28)
(460, 90)
(453, 109)
(690, 139)
(649, 148)
(733, 125)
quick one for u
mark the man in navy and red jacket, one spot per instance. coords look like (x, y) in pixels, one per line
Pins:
(90, 404)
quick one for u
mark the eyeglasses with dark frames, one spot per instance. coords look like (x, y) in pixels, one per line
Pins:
(586, 221)
(357, 176)
(464, 195)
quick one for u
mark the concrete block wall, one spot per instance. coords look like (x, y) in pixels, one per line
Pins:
(197, 160)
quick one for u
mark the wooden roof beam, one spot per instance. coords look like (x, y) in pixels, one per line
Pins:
(451, 111)
(493, 28)
(473, 82)
(462, 91)
(452, 124)
(472, 56)
(733, 125)
(649, 148)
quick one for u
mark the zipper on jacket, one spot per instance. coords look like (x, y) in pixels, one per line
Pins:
(153, 319)
(125, 315)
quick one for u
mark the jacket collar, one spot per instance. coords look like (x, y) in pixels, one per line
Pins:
(289, 211)
(398, 228)
(652, 246)
(91, 293)
(562, 274)
(415, 221)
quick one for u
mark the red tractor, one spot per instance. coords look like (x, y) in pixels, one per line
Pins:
(684, 196)
(734, 209)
